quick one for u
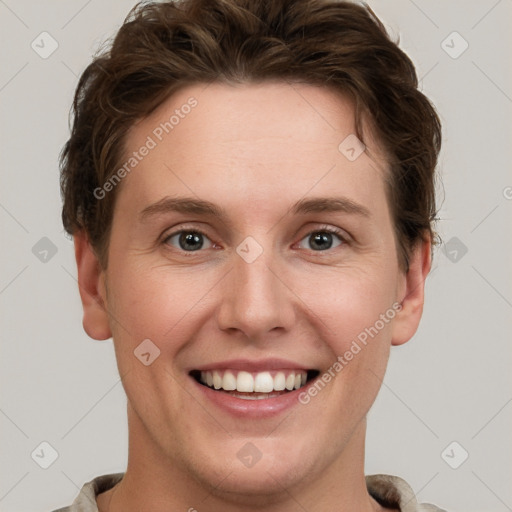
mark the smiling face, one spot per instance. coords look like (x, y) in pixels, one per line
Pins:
(252, 252)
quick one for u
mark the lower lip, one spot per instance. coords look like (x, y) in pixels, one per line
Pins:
(242, 408)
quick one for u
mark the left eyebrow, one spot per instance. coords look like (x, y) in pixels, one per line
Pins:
(329, 204)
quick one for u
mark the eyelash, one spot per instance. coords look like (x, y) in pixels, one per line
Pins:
(322, 229)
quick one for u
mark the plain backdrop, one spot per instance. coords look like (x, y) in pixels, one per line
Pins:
(447, 394)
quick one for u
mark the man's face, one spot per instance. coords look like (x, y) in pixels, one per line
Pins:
(275, 289)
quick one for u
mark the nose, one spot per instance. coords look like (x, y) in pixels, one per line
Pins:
(256, 300)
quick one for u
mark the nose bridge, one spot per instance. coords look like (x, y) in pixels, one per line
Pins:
(255, 300)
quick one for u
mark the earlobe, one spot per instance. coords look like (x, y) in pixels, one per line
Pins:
(92, 289)
(412, 293)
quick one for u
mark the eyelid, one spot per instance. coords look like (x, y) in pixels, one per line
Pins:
(178, 228)
(341, 233)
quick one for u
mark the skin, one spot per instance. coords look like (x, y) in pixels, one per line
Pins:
(254, 150)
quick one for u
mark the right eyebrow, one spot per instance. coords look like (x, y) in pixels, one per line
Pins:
(183, 205)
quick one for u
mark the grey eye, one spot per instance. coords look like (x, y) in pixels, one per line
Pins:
(188, 240)
(322, 240)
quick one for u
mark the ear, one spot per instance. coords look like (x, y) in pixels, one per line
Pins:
(91, 284)
(411, 291)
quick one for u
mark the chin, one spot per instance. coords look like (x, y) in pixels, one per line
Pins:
(261, 485)
(256, 468)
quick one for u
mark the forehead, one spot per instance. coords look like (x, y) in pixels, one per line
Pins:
(252, 112)
(254, 139)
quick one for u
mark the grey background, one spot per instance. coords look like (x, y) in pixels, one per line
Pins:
(452, 382)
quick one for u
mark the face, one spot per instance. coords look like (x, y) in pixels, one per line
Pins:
(253, 253)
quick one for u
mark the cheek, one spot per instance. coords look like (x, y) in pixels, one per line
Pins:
(361, 311)
(353, 310)
(348, 303)
(156, 303)
(161, 306)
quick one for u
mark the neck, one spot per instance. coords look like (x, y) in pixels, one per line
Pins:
(155, 482)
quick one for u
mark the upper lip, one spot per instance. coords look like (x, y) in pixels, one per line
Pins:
(253, 365)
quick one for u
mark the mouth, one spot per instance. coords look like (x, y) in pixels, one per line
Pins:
(254, 385)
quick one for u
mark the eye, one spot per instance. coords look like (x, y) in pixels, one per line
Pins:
(188, 240)
(323, 239)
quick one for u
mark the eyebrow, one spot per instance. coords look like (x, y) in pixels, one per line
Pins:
(196, 206)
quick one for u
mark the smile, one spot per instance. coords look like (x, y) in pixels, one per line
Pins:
(254, 385)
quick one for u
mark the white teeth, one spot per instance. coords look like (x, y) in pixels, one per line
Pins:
(245, 382)
(264, 383)
(280, 381)
(217, 380)
(261, 382)
(228, 381)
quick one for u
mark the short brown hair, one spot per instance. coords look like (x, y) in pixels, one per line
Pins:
(165, 46)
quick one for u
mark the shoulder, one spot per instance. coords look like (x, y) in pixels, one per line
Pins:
(86, 499)
(393, 491)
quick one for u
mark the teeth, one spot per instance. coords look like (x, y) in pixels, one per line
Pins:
(262, 382)
(290, 381)
(280, 381)
(228, 381)
(244, 382)
(217, 380)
